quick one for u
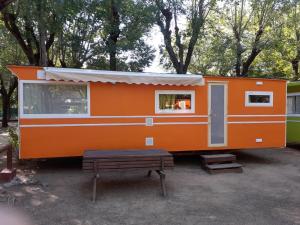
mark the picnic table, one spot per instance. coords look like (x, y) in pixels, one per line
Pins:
(98, 161)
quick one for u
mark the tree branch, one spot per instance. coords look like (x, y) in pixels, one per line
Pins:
(197, 24)
(165, 29)
(10, 23)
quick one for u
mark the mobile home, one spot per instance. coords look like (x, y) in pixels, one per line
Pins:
(293, 113)
(63, 112)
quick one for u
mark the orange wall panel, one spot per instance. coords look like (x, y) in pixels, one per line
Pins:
(24, 72)
(124, 99)
(40, 142)
(244, 136)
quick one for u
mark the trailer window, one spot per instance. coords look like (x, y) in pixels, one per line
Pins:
(258, 98)
(42, 99)
(174, 102)
(293, 104)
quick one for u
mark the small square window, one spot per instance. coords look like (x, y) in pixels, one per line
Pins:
(258, 98)
(174, 101)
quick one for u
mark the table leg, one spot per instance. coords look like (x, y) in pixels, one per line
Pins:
(95, 187)
(149, 173)
(162, 176)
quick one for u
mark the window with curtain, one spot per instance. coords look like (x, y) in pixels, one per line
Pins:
(174, 102)
(293, 104)
(55, 98)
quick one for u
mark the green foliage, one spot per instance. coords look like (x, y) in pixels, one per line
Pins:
(233, 31)
(77, 39)
(30, 21)
(10, 52)
(75, 32)
(136, 20)
(213, 53)
(134, 59)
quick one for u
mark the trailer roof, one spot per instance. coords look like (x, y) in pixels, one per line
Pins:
(87, 75)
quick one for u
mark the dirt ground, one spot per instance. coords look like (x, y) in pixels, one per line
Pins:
(56, 192)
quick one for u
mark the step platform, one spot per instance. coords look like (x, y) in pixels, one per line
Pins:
(221, 163)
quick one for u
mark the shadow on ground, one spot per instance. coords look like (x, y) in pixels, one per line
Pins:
(246, 157)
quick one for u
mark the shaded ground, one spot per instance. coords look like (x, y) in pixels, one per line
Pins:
(267, 192)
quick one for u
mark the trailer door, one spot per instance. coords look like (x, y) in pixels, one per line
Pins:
(217, 110)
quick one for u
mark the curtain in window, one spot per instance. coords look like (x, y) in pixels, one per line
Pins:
(45, 98)
(166, 101)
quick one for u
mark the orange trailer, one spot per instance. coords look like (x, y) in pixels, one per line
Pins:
(63, 112)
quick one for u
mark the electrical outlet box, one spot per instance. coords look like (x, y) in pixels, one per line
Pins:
(259, 140)
(149, 122)
(149, 141)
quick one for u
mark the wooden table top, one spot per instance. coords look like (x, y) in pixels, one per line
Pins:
(125, 153)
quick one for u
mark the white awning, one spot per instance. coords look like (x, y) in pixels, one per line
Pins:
(86, 75)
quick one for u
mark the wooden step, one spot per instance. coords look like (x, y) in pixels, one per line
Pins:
(218, 158)
(224, 167)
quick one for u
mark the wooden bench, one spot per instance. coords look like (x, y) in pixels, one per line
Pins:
(98, 161)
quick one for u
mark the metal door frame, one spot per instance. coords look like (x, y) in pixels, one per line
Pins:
(225, 114)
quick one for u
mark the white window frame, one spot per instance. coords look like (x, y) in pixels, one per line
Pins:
(176, 92)
(293, 94)
(46, 116)
(249, 104)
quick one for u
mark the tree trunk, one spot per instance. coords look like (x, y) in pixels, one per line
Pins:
(249, 61)
(254, 52)
(113, 35)
(43, 52)
(238, 64)
(164, 18)
(239, 52)
(5, 109)
(6, 96)
(296, 60)
(33, 41)
(113, 60)
(9, 114)
(10, 23)
(43, 57)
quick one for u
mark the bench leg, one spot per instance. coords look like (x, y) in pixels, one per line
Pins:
(149, 173)
(95, 187)
(162, 176)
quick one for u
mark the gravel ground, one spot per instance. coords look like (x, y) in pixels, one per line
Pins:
(267, 192)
